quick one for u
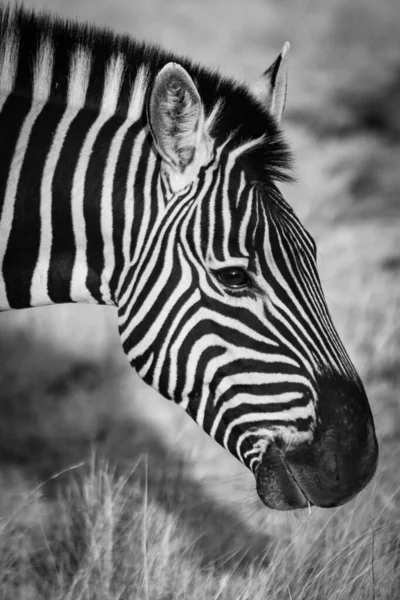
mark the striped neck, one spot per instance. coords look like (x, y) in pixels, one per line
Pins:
(73, 216)
(75, 186)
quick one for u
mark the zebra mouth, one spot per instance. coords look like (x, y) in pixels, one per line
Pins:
(327, 473)
(277, 486)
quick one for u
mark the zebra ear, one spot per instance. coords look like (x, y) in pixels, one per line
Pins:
(176, 117)
(270, 89)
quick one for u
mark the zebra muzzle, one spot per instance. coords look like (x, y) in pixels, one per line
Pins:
(326, 473)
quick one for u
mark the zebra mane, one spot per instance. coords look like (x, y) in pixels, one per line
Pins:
(241, 119)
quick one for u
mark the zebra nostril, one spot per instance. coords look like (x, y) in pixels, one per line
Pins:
(328, 469)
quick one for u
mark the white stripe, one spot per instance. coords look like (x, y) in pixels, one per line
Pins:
(226, 212)
(112, 83)
(262, 417)
(138, 95)
(211, 223)
(145, 224)
(242, 185)
(78, 80)
(43, 72)
(107, 211)
(247, 146)
(244, 225)
(8, 65)
(144, 370)
(253, 461)
(229, 261)
(77, 88)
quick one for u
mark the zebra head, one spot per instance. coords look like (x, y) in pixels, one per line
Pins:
(223, 311)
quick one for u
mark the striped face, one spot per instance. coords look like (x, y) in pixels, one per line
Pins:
(226, 315)
(228, 319)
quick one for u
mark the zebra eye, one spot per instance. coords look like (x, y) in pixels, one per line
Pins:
(233, 277)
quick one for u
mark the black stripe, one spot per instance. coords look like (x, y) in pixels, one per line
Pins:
(139, 197)
(12, 117)
(23, 245)
(119, 192)
(217, 242)
(236, 214)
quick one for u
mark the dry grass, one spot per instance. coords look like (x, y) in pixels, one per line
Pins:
(104, 537)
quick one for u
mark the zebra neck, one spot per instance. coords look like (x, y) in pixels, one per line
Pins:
(74, 205)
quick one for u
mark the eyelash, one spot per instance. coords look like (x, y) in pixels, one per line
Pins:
(249, 290)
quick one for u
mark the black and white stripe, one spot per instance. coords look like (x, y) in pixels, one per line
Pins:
(87, 214)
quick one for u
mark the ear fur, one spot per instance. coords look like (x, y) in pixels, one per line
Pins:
(270, 89)
(176, 118)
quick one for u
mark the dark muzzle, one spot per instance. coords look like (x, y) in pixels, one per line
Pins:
(327, 472)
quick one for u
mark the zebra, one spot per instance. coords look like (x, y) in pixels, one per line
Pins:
(132, 177)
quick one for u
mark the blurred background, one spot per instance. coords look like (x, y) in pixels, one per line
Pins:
(66, 389)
